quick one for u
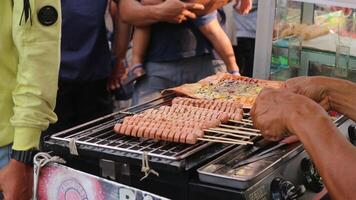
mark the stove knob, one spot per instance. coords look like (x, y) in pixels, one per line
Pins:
(311, 177)
(285, 190)
(352, 134)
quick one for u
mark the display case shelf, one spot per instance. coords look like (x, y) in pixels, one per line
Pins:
(328, 51)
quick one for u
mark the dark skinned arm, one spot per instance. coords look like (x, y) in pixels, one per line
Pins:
(333, 155)
(120, 45)
(277, 112)
(331, 93)
(173, 11)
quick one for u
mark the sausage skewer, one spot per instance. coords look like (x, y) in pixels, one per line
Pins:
(228, 134)
(236, 131)
(240, 122)
(223, 141)
(241, 128)
(227, 139)
(187, 119)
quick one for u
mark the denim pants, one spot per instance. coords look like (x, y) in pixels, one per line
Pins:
(5, 155)
(163, 75)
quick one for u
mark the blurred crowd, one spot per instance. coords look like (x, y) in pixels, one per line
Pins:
(120, 53)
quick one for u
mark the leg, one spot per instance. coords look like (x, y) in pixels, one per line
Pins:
(93, 102)
(159, 76)
(250, 57)
(196, 68)
(246, 51)
(165, 75)
(65, 108)
(221, 43)
(147, 88)
(141, 40)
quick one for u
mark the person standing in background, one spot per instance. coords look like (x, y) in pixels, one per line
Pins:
(29, 64)
(245, 24)
(85, 68)
(177, 53)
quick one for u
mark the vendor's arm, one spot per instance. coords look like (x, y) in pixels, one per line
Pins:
(277, 112)
(133, 12)
(333, 155)
(34, 97)
(336, 94)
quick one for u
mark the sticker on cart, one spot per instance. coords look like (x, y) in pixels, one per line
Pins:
(58, 182)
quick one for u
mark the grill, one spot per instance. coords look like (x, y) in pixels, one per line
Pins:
(176, 163)
(98, 136)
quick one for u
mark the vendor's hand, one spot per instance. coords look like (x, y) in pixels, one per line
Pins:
(276, 111)
(244, 8)
(176, 11)
(290, 139)
(312, 87)
(118, 74)
(16, 181)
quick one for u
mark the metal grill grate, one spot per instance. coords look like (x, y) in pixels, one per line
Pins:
(99, 133)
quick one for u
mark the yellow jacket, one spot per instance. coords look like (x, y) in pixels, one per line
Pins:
(29, 66)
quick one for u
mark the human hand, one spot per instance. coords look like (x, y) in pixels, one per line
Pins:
(118, 74)
(243, 7)
(312, 87)
(176, 11)
(290, 139)
(151, 2)
(16, 181)
(277, 111)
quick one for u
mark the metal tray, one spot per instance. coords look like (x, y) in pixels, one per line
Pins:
(222, 171)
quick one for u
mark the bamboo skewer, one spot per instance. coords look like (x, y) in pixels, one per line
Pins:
(236, 131)
(246, 114)
(223, 141)
(246, 120)
(240, 122)
(241, 128)
(227, 139)
(228, 134)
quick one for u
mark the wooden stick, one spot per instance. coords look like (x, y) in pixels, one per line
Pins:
(228, 139)
(228, 134)
(240, 122)
(246, 120)
(242, 128)
(221, 141)
(246, 114)
(236, 131)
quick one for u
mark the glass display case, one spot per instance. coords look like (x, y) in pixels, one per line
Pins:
(305, 38)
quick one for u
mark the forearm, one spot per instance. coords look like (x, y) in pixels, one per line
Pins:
(221, 43)
(342, 96)
(133, 12)
(333, 155)
(34, 97)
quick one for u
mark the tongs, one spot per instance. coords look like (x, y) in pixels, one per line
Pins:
(264, 154)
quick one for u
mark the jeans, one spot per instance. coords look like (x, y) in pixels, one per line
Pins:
(163, 75)
(5, 155)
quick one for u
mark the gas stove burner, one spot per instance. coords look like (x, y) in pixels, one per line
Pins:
(312, 179)
(285, 190)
